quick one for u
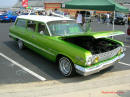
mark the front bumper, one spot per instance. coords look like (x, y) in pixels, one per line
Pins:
(5, 19)
(88, 71)
(119, 22)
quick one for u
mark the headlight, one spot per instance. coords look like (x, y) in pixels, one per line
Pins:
(89, 61)
(122, 49)
(92, 60)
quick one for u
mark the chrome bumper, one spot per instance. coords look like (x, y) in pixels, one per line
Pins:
(88, 71)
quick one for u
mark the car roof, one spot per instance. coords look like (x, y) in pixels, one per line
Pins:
(44, 19)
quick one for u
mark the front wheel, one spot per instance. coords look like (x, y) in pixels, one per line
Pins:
(66, 67)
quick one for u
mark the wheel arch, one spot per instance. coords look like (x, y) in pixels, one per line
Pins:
(63, 55)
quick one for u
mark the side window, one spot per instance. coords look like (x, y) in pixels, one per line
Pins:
(21, 23)
(42, 29)
(31, 25)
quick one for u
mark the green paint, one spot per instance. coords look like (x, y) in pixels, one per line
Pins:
(51, 46)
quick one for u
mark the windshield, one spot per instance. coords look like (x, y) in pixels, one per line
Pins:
(13, 13)
(119, 15)
(65, 28)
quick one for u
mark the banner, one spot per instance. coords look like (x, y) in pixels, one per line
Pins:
(25, 3)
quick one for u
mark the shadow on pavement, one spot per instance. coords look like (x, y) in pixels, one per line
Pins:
(50, 70)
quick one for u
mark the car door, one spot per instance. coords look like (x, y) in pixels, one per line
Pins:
(31, 32)
(44, 41)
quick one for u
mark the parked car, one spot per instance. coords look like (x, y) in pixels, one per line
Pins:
(120, 19)
(63, 41)
(8, 17)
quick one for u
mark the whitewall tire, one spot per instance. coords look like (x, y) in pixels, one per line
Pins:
(66, 66)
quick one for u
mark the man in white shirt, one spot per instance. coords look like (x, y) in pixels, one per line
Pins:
(79, 18)
(107, 18)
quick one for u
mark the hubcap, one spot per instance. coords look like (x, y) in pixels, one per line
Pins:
(65, 66)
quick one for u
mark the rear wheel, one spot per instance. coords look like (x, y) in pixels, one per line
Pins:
(66, 66)
(20, 44)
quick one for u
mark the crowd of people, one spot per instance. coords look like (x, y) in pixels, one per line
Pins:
(103, 18)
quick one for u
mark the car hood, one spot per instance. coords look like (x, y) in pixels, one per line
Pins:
(98, 34)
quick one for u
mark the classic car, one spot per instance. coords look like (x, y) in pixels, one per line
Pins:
(64, 42)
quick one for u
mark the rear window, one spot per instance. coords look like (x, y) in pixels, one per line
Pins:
(21, 23)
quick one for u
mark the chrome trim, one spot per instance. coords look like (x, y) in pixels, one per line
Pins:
(87, 71)
(48, 29)
(107, 55)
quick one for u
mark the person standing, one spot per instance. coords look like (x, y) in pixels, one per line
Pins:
(107, 18)
(103, 18)
(79, 18)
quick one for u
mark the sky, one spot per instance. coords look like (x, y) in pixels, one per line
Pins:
(7, 3)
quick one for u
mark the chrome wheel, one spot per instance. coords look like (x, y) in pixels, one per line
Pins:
(66, 66)
(20, 44)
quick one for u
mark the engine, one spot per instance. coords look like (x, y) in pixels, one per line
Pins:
(96, 46)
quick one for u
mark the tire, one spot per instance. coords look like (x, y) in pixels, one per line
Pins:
(66, 66)
(20, 44)
(123, 23)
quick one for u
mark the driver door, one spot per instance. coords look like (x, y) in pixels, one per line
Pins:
(44, 41)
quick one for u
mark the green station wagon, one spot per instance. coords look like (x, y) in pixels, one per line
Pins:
(63, 41)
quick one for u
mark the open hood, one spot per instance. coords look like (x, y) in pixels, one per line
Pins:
(97, 34)
(105, 34)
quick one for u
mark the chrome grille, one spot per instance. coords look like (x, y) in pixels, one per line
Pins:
(107, 55)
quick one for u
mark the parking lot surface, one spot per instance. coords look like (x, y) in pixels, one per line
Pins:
(23, 66)
(12, 73)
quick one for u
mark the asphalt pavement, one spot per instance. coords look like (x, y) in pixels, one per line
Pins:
(23, 66)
